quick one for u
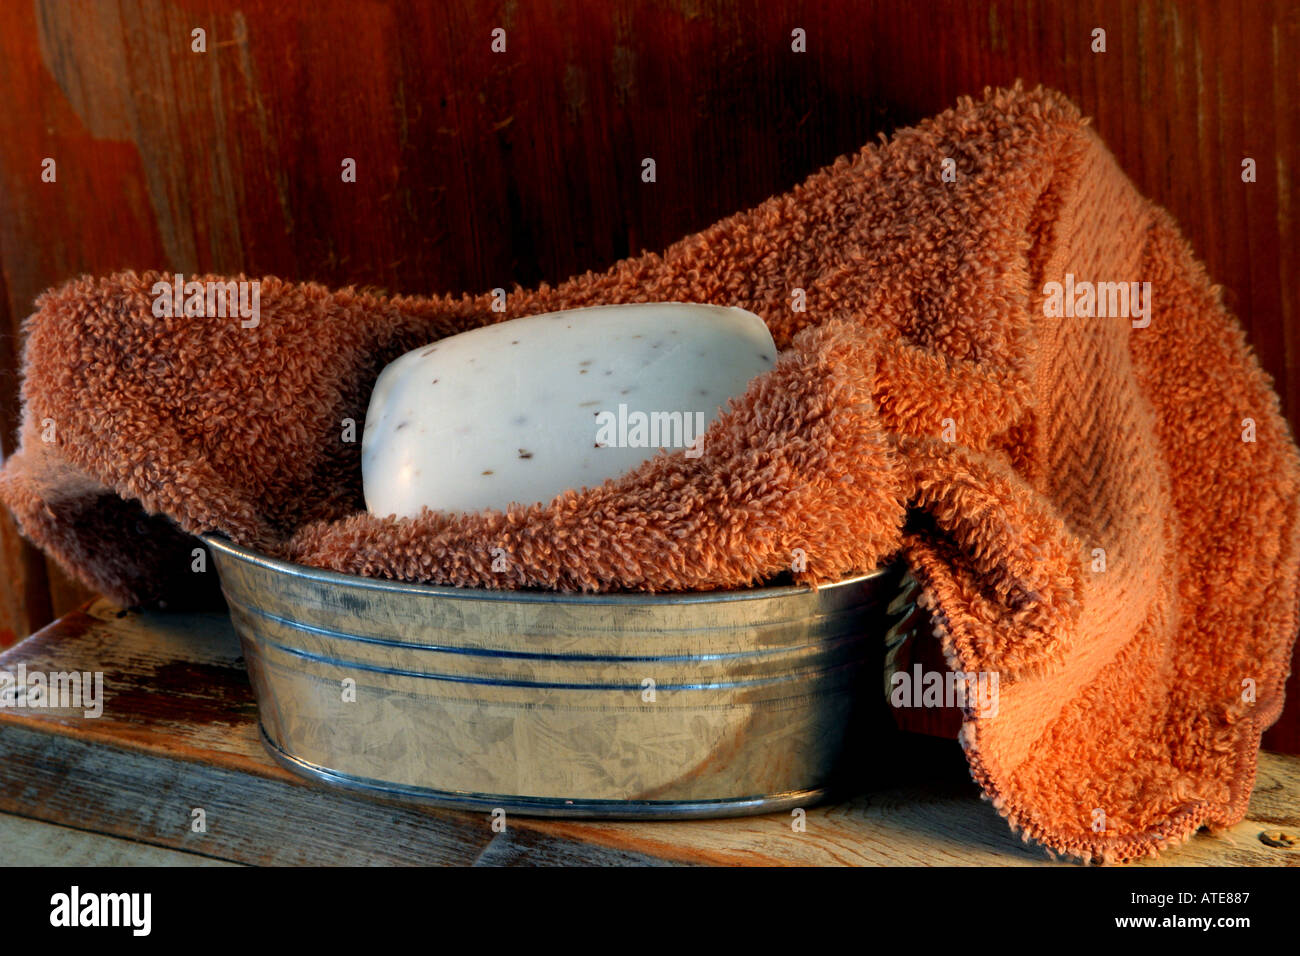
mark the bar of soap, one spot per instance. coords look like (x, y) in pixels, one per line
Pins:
(525, 409)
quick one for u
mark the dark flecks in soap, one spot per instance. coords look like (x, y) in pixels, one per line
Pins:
(525, 454)
(764, 357)
(588, 404)
(704, 391)
(583, 372)
(401, 425)
(514, 342)
(625, 391)
(520, 419)
(488, 471)
(609, 371)
(430, 351)
(584, 362)
(434, 382)
(638, 336)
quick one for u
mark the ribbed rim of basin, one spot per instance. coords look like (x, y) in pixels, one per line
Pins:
(357, 582)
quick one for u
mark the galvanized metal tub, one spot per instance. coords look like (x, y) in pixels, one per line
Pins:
(609, 705)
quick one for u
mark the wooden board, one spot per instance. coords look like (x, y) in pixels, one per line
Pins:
(179, 733)
(33, 843)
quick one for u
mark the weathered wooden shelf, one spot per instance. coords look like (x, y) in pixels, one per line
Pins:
(179, 733)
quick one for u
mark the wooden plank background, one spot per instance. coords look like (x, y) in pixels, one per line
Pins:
(478, 169)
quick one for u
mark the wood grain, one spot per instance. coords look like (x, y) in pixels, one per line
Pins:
(32, 843)
(478, 170)
(179, 732)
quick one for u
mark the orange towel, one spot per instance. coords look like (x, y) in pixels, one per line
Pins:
(1101, 509)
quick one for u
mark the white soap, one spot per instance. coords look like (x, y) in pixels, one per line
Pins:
(525, 409)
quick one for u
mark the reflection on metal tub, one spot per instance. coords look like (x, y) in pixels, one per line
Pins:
(615, 705)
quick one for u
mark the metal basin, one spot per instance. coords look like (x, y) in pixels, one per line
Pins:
(609, 705)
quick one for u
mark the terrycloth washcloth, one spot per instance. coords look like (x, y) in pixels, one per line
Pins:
(1101, 510)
